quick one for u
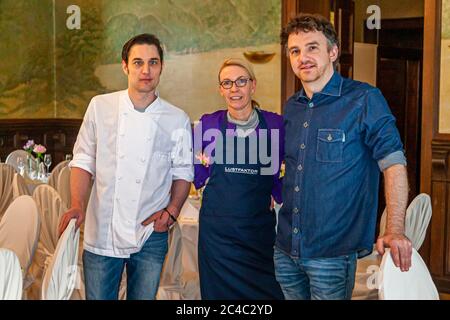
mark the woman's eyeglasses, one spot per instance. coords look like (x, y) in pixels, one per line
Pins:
(240, 82)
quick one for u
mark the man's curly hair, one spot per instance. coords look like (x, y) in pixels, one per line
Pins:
(305, 22)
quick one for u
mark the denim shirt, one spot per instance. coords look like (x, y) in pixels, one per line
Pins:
(333, 143)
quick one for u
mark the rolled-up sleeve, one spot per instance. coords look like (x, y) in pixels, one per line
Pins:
(84, 151)
(397, 157)
(381, 134)
(182, 163)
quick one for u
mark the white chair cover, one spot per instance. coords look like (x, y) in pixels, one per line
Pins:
(61, 275)
(12, 158)
(63, 185)
(19, 186)
(415, 284)
(10, 276)
(417, 219)
(6, 187)
(418, 216)
(53, 180)
(180, 278)
(170, 286)
(51, 208)
(19, 230)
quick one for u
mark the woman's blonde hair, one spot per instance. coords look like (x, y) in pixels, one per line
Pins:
(243, 64)
(240, 63)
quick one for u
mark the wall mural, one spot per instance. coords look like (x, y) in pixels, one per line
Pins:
(50, 70)
(444, 110)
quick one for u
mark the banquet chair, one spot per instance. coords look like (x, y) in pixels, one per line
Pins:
(19, 186)
(19, 232)
(51, 208)
(180, 276)
(417, 219)
(10, 276)
(6, 188)
(60, 277)
(63, 185)
(170, 287)
(53, 180)
(12, 158)
(414, 284)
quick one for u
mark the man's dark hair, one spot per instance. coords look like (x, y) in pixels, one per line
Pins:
(144, 38)
(305, 22)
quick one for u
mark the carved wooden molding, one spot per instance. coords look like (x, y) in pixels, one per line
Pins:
(440, 160)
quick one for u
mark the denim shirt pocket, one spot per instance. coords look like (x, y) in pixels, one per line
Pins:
(330, 145)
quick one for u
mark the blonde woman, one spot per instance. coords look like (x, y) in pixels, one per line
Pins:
(241, 174)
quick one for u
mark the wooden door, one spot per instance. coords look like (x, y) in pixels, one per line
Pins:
(398, 78)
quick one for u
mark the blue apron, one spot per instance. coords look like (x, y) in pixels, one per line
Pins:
(237, 229)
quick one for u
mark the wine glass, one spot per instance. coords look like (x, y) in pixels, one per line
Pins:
(48, 162)
(21, 165)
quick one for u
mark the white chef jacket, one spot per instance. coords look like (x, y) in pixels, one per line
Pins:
(134, 157)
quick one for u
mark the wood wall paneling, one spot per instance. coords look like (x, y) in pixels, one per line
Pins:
(440, 224)
(57, 135)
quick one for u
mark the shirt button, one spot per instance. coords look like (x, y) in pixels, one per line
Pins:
(311, 104)
(300, 168)
(297, 189)
(122, 156)
(295, 230)
(142, 159)
(138, 181)
(302, 146)
(306, 124)
(295, 210)
(119, 178)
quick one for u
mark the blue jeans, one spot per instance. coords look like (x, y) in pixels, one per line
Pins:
(103, 274)
(316, 279)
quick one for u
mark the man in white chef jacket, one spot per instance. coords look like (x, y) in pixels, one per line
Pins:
(138, 149)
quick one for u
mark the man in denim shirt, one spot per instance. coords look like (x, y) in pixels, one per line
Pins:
(340, 134)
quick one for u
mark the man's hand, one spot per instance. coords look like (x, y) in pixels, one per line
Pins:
(401, 249)
(161, 219)
(72, 213)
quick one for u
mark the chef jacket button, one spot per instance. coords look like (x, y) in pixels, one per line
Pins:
(138, 181)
